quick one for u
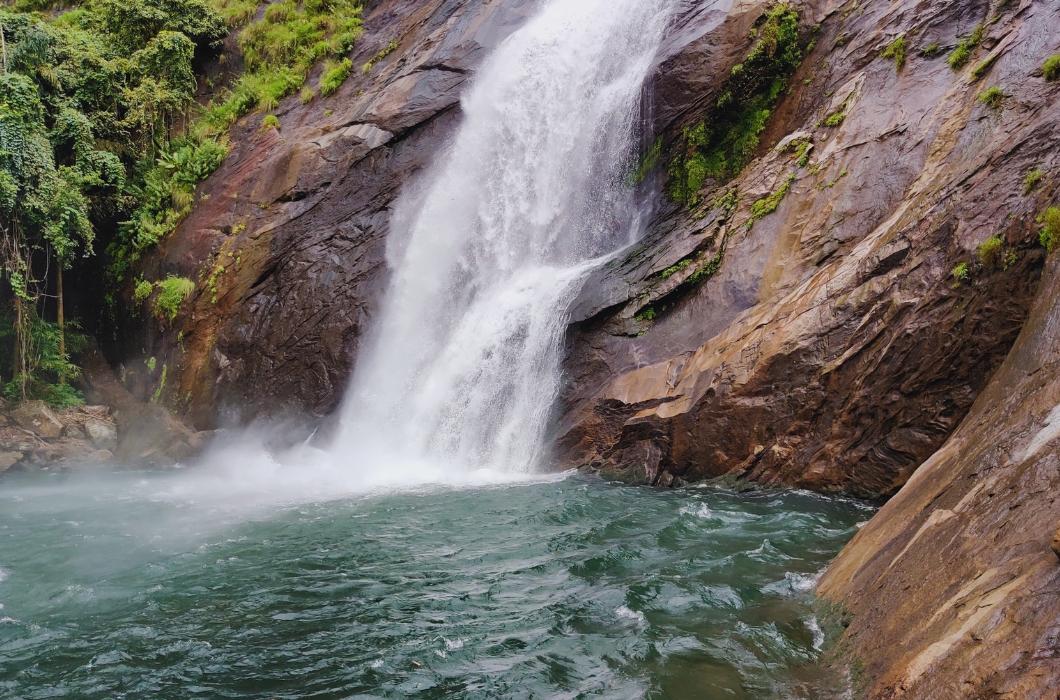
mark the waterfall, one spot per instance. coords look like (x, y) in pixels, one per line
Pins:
(488, 249)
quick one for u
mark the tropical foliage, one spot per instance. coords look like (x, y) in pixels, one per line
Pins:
(102, 142)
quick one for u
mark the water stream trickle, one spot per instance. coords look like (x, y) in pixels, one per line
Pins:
(489, 250)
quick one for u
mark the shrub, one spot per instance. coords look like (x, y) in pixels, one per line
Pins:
(46, 369)
(166, 195)
(1033, 179)
(960, 274)
(172, 291)
(1051, 68)
(142, 290)
(992, 97)
(1050, 233)
(896, 52)
(271, 121)
(334, 76)
(990, 251)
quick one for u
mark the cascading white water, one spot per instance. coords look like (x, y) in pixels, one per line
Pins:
(488, 252)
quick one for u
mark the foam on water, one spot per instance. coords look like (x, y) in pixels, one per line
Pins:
(122, 586)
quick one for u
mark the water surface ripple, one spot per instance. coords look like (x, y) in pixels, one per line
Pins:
(561, 589)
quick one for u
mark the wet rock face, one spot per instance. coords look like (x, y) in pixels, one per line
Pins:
(829, 348)
(833, 348)
(289, 242)
(953, 589)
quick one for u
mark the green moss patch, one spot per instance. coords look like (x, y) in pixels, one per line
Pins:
(720, 148)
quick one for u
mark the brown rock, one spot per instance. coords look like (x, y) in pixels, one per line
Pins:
(8, 460)
(103, 434)
(830, 349)
(954, 587)
(38, 418)
(300, 221)
(46, 455)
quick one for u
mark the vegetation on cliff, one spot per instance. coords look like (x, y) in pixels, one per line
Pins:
(102, 142)
(279, 52)
(719, 148)
(88, 99)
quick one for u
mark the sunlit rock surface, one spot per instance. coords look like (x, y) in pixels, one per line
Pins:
(952, 590)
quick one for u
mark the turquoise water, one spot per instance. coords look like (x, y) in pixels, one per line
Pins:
(128, 586)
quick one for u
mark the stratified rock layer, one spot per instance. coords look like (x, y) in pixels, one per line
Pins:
(952, 590)
(833, 348)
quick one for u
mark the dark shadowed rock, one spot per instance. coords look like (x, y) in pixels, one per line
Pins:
(144, 432)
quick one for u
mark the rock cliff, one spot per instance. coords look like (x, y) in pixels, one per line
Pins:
(952, 590)
(833, 347)
(288, 239)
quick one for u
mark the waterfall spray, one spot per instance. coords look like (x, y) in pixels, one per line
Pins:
(488, 251)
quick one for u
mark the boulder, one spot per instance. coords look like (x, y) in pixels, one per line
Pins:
(8, 460)
(46, 455)
(36, 417)
(102, 434)
(73, 432)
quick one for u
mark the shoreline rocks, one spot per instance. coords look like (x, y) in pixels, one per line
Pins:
(55, 437)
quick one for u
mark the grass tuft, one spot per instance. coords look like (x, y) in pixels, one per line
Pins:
(992, 97)
(1050, 233)
(960, 274)
(334, 76)
(1032, 180)
(1051, 68)
(963, 53)
(896, 52)
(990, 252)
(172, 291)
